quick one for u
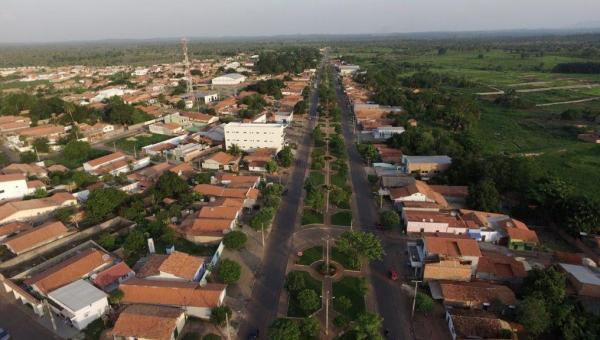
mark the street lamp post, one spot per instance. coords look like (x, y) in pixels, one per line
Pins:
(414, 298)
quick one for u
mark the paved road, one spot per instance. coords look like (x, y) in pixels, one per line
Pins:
(262, 309)
(21, 323)
(391, 301)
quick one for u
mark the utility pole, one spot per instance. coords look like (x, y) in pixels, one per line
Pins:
(415, 297)
(227, 326)
(326, 312)
(50, 314)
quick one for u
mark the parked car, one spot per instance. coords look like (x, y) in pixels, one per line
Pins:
(393, 274)
(4, 335)
(253, 335)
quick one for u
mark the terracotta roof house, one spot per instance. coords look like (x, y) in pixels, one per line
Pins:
(176, 266)
(50, 131)
(475, 324)
(419, 191)
(500, 268)
(110, 278)
(222, 213)
(238, 181)
(205, 230)
(149, 322)
(475, 295)
(196, 300)
(217, 191)
(36, 237)
(12, 228)
(104, 160)
(57, 168)
(27, 169)
(35, 209)
(428, 221)
(222, 161)
(449, 257)
(79, 266)
(520, 237)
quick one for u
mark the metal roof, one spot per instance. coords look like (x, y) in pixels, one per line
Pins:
(77, 295)
(582, 274)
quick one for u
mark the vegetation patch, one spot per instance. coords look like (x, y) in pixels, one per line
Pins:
(311, 255)
(310, 216)
(343, 218)
(349, 295)
(302, 292)
(137, 142)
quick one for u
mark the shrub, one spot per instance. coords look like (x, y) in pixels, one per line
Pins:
(309, 300)
(295, 282)
(424, 303)
(217, 315)
(235, 240)
(229, 271)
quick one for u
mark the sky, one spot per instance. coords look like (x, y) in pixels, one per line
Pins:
(26, 21)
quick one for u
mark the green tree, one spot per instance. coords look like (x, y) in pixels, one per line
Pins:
(310, 328)
(235, 240)
(271, 166)
(77, 152)
(343, 303)
(484, 196)
(295, 282)
(107, 241)
(28, 157)
(134, 244)
(115, 297)
(367, 326)
(229, 271)
(3, 159)
(103, 202)
(234, 150)
(41, 145)
(169, 184)
(534, 316)
(203, 177)
(308, 300)
(64, 214)
(423, 303)
(284, 329)
(262, 219)
(390, 218)
(218, 315)
(285, 157)
(360, 244)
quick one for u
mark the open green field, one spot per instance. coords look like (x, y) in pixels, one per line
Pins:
(535, 131)
(137, 142)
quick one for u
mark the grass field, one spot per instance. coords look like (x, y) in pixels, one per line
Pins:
(294, 309)
(316, 178)
(349, 287)
(310, 216)
(139, 141)
(343, 218)
(344, 260)
(535, 131)
(311, 255)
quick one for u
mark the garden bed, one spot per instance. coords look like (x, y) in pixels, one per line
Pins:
(310, 216)
(343, 218)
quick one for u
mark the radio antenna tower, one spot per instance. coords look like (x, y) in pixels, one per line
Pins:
(186, 64)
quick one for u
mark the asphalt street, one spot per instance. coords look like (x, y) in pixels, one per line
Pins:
(391, 301)
(262, 309)
(20, 323)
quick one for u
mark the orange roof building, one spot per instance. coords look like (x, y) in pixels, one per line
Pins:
(36, 237)
(149, 322)
(175, 266)
(110, 278)
(196, 300)
(72, 269)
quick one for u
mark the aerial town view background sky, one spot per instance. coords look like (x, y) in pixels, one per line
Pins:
(67, 20)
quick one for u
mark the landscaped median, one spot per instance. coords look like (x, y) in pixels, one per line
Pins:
(304, 294)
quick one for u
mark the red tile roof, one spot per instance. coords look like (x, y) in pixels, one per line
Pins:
(147, 322)
(452, 246)
(172, 293)
(112, 275)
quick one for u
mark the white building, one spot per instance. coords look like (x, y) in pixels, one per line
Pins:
(229, 79)
(385, 132)
(80, 302)
(251, 136)
(13, 186)
(348, 69)
(207, 97)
